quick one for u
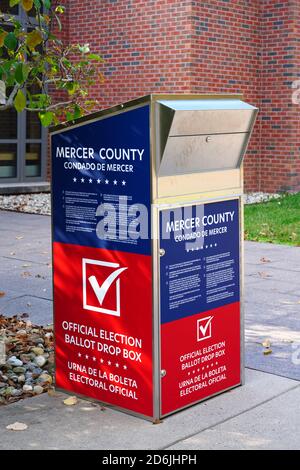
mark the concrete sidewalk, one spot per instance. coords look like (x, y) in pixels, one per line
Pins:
(264, 414)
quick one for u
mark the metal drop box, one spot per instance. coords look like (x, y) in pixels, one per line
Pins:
(148, 251)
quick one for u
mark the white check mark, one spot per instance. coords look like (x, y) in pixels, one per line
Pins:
(205, 327)
(101, 291)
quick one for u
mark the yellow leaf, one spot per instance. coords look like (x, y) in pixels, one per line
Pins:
(266, 343)
(101, 77)
(27, 4)
(34, 39)
(20, 101)
(2, 37)
(70, 401)
(267, 351)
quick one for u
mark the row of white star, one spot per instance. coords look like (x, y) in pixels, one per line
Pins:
(109, 363)
(202, 368)
(201, 247)
(98, 181)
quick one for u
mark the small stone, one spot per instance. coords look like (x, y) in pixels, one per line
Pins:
(37, 351)
(51, 358)
(14, 362)
(17, 426)
(45, 379)
(40, 361)
(51, 369)
(22, 333)
(25, 358)
(27, 388)
(19, 370)
(21, 379)
(16, 392)
(48, 328)
(37, 371)
(38, 341)
(38, 389)
(8, 391)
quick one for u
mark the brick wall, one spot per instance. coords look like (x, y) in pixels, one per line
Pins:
(280, 131)
(226, 57)
(171, 46)
(146, 45)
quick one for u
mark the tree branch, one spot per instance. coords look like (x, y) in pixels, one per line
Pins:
(10, 100)
(52, 107)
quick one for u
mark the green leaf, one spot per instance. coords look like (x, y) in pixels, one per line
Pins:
(77, 112)
(20, 101)
(72, 87)
(34, 39)
(12, 3)
(47, 4)
(69, 116)
(95, 57)
(10, 41)
(46, 118)
(60, 9)
(21, 73)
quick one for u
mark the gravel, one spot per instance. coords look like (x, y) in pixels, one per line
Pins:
(25, 370)
(39, 203)
(254, 198)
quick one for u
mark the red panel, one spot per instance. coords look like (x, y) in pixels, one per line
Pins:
(104, 325)
(201, 356)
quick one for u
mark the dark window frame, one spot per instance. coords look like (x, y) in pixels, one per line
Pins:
(22, 139)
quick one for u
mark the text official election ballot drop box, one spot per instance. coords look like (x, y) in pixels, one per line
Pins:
(147, 251)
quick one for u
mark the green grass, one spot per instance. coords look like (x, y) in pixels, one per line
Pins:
(276, 221)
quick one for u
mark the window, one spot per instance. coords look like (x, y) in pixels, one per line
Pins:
(5, 8)
(23, 141)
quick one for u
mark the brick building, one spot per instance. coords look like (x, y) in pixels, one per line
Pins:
(193, 46)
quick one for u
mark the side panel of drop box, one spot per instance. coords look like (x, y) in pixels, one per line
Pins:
(103, 281)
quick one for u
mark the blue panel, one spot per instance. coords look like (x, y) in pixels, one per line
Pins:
(200, 268)
(96, 163)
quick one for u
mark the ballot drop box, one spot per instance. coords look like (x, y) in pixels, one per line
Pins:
(148, 252)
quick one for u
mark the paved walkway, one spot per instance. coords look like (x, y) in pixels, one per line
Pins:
(263, 414)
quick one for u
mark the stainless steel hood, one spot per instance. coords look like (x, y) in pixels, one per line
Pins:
(195, 136)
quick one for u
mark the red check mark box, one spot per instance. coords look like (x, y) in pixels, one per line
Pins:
(101, 286)
(204, 328)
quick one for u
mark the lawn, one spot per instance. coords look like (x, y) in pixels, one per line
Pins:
(276, 221)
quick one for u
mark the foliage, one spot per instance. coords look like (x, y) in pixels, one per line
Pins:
(276, 221)
(36, 65)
